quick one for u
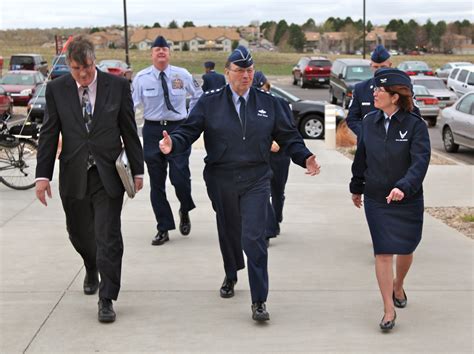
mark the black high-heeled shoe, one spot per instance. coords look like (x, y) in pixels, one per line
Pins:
(400, 303)
(387, 326)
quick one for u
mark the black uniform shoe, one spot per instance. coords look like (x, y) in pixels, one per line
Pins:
(106, 311)
(387, 326)
(184, 223)
(160, 238)
(91, 282)
(227, 288)
(259, 312)
(400, 303)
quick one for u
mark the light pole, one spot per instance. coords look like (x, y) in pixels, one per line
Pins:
(125, 29)
(363, 39)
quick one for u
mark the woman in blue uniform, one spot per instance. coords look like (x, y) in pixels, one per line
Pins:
(390, 164)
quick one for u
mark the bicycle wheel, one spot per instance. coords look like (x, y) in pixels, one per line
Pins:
(18, 165)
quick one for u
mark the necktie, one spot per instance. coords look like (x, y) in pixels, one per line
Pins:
(242, 115)
(86, 107)
(386, 124)
(87, 115)
(166, 93)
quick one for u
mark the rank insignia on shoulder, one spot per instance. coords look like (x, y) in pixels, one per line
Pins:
(196, 84)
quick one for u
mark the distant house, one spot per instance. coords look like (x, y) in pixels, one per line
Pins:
(379, 36)
(194, 38)
(107, 39)
(335, 42)
(456, 43)
(313, 42)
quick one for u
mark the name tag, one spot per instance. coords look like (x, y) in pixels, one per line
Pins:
(365, 103)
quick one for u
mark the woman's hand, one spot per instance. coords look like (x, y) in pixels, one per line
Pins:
(357, 200)
(396, 195)
(275, 147)
(166, 144)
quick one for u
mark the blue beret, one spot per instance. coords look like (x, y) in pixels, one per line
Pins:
(160, 41)
(388, 77)
(380, 54)
(259, 79)
(241, 57)
(209, 64)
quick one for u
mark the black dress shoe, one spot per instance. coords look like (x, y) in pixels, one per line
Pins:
(160, 238)
(227, 288)
(91, 282)
(388, 325)
(106, 311)
(400, 303)
(259, 312)
(184, 223)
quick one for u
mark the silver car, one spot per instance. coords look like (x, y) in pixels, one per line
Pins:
(443, 72)
(427, 104)
(457, 124)
(437, 88)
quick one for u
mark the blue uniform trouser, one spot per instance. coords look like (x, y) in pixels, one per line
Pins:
(179, 173)
(280, 164)
(239, 197)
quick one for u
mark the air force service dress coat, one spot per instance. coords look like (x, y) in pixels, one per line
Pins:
(398, 158)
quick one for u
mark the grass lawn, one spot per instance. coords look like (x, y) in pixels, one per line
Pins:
(268, 62)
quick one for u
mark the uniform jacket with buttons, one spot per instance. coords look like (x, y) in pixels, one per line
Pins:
(212, 81)
(396, 159)
(362, 103)
(232, 144)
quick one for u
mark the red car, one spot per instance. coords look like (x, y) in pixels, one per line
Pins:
(116, 67)
(6, 103)
(415, 68)
(21, 85)
(312, 70)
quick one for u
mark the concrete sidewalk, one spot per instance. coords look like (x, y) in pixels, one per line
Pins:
(323, 292)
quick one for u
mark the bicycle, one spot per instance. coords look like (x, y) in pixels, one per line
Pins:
(18, 150)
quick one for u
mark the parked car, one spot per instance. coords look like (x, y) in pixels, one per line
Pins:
(29, 62)
(308, 115)
(6, 103)
(59, 66)
(437, 88)
(345, 73)
(116, 67)
(415, 68)
(21, 85)
(457, 124)
(37, 104)
(444, 71)
(461, 80)
(311, 71)
(427, 103)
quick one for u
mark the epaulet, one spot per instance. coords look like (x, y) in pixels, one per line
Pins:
(265, 92)
(211, 92)
(144, 71)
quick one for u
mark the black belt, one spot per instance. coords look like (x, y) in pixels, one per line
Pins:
(164, 121)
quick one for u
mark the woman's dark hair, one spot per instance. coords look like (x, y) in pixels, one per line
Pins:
(405, 96)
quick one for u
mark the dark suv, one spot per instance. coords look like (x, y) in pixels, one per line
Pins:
(311, 70)
(345, 73)
(29, 62)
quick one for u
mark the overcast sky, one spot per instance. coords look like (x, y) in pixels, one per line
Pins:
(89, 13)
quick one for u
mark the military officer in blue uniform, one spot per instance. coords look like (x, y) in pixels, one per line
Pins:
(363, 94)
(239, 124)
(161, 89)
(280, 165)
(392, 157)
(211, 79)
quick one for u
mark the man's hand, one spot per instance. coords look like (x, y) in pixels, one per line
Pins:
(43, 187)
(166, 144)
(357, 200)
(396, 195)
(138, 183)
(275, 147)
(312, 166)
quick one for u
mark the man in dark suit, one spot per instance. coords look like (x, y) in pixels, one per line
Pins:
(93, 111)
(211, 79)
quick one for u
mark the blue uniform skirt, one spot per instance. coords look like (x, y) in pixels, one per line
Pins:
(395, 228)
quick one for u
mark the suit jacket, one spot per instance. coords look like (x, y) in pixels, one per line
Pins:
(113, 124)
(212, 81)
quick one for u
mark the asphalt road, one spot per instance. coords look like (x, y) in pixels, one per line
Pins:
(464, 155)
